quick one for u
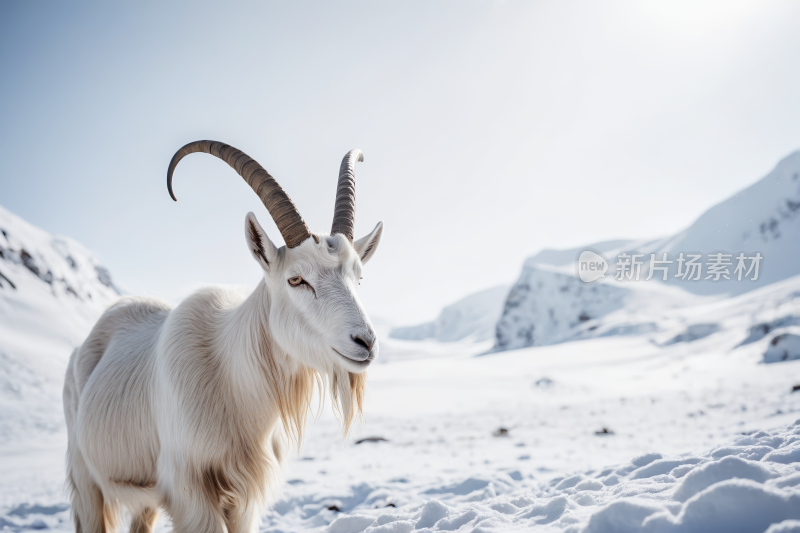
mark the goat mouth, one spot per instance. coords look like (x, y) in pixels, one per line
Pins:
(356, 362)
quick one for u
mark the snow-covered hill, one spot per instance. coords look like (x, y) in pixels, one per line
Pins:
(546, 306)
(52, 290)
(549, 304)
(763, 218)
(471, 318)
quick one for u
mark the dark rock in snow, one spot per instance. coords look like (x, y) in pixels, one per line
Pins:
(371, 439)
(29, 261)
(783, 347)
(3, 277)
(761, 330)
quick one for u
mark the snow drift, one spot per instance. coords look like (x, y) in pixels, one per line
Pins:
(747, 486)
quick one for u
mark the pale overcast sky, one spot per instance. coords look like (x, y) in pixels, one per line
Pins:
(490, 129)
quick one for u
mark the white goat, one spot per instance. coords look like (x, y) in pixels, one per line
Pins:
(182, 408)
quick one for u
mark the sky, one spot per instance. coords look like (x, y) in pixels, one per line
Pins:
(490, 130)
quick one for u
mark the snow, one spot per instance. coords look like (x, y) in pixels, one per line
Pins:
(764, 217)
(704, 437)
(784, 345)
(52, 290)
(662, 410)
(702, 493)
(471, 318)
(549, 304)
(677, 411)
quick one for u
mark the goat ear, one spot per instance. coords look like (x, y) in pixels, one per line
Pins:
(366, 246)
(262, 249)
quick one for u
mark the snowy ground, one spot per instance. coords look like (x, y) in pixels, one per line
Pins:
(683, 402)
(684, 418)
(663, 417)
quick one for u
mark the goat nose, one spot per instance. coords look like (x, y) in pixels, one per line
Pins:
(364, 340)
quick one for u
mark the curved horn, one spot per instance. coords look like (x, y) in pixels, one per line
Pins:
(344, 213)
(280, 206)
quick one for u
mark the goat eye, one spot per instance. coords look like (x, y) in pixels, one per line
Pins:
(295, 281)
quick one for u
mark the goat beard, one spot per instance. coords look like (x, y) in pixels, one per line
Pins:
(346, 391)
(347, 395)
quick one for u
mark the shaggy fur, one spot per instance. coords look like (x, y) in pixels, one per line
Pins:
(190, 409)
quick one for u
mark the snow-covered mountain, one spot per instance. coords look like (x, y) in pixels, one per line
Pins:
(546, 306)
(763, 218)
(52, 290)
(471, 318)
(549, 304)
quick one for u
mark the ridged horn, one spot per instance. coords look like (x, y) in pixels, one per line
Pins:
(286, 216)
(344, 212)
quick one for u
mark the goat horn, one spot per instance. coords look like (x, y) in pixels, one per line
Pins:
(286, 216)
(344, 213)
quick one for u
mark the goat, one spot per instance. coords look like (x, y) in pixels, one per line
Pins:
(189, 409)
